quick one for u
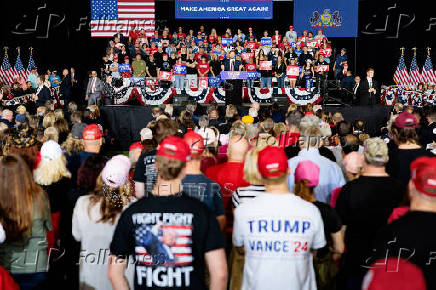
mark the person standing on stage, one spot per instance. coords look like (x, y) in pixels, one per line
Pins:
(368, 89)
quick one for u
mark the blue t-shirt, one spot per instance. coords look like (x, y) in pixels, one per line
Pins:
(339, 59)
(52, 79)
(204, 189)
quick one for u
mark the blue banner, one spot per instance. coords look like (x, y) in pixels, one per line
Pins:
(233, 75)
(214, 81)
(180, 69)
(251, 75)
(337, 18)
(224, 9)
(226, 40)
(266, 41)
(123, 67)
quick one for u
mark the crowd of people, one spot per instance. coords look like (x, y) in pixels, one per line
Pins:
(196, 59)
(301, 199)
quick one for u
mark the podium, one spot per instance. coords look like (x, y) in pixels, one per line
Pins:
(233, 86)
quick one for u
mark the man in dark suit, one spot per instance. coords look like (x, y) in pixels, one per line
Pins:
(233, 87)
(232, 64)
(120, 37)
(368, 89)
(65, 89)
(42, 93)
(356, 89)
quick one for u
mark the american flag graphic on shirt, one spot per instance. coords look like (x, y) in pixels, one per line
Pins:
(163, 248)
(108, 16)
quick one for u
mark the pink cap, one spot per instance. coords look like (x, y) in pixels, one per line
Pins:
(353, 162)
(309, 171)
(116, 171)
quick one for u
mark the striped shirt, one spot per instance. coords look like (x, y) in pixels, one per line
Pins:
(243, 194)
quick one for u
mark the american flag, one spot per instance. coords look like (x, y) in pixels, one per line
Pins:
(180, 252)
(109, 15)
(31, 65)
(415, 75)
(401, 75)
(19, 68)
(7, 72)
(428, 75)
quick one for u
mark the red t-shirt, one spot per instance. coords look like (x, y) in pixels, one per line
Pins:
(250, 67)
(134, 35)
(198, 56)
(251, 44)
(203, 68)
(212, 38)
(181, 35)
(229, 176)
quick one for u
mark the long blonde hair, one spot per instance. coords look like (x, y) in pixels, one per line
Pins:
(18, 195)
(49, 172)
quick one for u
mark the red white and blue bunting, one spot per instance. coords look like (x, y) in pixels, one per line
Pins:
(392, 95)
(147, 96)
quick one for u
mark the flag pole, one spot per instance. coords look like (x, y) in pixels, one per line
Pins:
(402, 50)
(414, 51)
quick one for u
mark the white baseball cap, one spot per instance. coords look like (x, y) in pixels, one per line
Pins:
(50, 150)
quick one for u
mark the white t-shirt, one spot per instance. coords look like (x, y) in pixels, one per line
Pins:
(277, 232)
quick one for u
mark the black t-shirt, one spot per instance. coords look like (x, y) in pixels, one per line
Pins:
(216, 67)
(303, 58)
(152, 67)
(169, 236)
(190, 70)
(399, 162)
(332, 224)
(145, 171)
(427, 134)
(165, 66)
(412, 237)
(57, 193)
(364, 206)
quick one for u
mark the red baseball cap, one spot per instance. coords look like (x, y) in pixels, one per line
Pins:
(272, 162)
(423, 175)
(250, 29)
(136, 145)
(126, 57)
(406, 120)
(396, 274)
(291, 27)
(174, 148)
(195, 142)
(92, 132)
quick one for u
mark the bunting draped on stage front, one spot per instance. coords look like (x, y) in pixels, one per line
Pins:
(147, 96)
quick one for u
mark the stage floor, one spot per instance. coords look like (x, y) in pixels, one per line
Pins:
(125, 122)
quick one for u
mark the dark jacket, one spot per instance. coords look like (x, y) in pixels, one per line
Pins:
(365, 97)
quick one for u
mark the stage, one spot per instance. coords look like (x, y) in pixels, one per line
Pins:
(125, 122)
